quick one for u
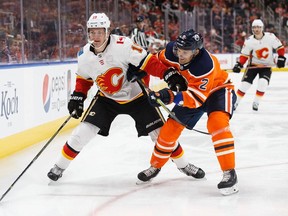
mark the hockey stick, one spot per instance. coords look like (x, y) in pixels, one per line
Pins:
(248, 65)
(171, 114)
(250, 62)
(39, 153)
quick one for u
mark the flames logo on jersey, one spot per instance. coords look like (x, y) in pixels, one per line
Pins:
(262, 53)
(111, 81)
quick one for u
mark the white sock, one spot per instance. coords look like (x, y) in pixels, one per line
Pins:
(180, 162)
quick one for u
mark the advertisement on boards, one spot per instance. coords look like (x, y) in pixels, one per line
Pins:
(31, 96)
(53, 92)
(11, 102)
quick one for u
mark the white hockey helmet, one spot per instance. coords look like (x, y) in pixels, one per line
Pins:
(98, 20)
(258, 22)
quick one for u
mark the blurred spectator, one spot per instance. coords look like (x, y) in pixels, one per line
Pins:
(125, 30)
(240, 39)
(230, 18)
(5, 56)
(280, 10)
(285, 20)
(150, 32)
(159, 25)
(117, 31)
(188, 5)
(15, 52)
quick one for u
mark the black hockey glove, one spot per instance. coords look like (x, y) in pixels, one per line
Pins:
(281, 61)
(134, 73)
(237, 67)
(76, 103)
(175, 81)
(165, 95)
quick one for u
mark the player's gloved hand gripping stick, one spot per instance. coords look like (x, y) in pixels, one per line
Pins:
(171, 114)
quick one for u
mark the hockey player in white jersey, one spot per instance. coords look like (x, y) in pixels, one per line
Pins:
(259, 47)
(105, 60)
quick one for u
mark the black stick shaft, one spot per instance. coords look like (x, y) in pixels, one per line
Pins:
(39, 153)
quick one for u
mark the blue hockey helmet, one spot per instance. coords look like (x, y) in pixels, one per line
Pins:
(189, 40)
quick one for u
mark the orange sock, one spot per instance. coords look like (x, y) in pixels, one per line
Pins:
(222, 138)
(166, 143)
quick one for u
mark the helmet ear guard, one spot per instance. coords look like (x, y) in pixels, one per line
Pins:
(189, 40)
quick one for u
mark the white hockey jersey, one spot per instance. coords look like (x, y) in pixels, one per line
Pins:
(262, 50)
(109, 68)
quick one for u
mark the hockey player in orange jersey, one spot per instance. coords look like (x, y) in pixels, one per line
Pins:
(196, 85)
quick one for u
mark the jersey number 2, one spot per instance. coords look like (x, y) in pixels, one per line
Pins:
(204, 84)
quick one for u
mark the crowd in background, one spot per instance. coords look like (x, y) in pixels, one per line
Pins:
(40, 39)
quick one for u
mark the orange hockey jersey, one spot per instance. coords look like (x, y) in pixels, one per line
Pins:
(203, 74)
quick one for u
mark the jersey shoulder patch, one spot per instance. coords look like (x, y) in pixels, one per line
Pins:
(80, 52)
(120, 40)
(83, 49)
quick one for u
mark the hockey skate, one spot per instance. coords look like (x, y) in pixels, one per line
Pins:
(228, 184)
(55, 173)
(255, 106)
(191, 170)
(147, 175)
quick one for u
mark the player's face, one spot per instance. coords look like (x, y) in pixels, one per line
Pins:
(2, 44)
(257, 30)
(185, 56)
(98, 36)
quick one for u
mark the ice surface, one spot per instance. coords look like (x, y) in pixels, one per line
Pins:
(101, 180)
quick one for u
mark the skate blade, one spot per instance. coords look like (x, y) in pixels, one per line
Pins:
(200, 179)
(197, 179)
(139, 182)
(229, 191)
(51, 182)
